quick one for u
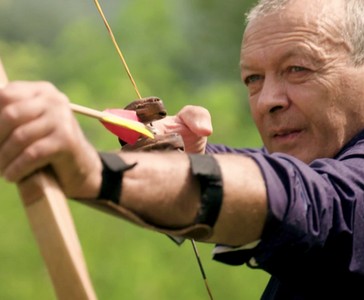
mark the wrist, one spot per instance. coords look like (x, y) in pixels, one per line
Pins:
(113, 168)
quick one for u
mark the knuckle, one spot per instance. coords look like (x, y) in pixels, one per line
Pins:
(7, 93)
(19, 136)
(9, 114)
(51, 90)
(45, 86)
(30, 155)
(41, 152)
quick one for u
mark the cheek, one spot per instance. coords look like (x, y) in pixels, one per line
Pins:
(311, 99)
(257, 118)
(330, 132)
(325, 121)
(335, 109)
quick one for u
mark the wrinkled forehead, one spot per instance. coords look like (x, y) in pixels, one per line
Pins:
(309, 17)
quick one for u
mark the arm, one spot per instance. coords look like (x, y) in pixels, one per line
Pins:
(160, 188)
(174, 203)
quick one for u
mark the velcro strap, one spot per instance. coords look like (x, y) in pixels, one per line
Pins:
(113, 168)
(208, 172)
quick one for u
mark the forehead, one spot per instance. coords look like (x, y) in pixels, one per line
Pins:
(312, 26)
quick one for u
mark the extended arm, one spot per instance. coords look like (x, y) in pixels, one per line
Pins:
(160, 188)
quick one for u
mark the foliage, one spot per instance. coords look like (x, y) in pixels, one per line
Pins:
(186, 52)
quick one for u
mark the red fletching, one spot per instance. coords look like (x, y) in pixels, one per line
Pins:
(127, 135)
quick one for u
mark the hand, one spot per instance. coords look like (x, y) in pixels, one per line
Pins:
(37, 129)
(193, 123)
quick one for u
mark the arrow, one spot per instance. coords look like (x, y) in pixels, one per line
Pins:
(124, 118)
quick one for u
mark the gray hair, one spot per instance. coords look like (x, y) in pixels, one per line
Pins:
(353, 32)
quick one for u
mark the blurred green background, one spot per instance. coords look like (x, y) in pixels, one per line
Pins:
(185, 52)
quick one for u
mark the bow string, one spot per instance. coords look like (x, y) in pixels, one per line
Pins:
(49, 215)
(122, 58)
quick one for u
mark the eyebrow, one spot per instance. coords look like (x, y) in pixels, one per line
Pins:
(299, 51)
(295, 52)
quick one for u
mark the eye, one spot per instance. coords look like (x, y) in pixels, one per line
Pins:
(296, 69)
(252, 79)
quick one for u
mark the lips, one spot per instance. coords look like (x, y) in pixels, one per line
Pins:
(286, 133)
(284, 136)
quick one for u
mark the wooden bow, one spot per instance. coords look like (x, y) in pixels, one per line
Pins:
(52, 225)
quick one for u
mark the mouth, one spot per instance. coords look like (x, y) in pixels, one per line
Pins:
(287, 135)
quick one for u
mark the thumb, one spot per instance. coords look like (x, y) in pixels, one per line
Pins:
(197, 119)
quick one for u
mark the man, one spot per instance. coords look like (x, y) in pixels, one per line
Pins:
(294, 208)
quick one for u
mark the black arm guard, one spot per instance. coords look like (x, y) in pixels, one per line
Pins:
(207, 170)
(204, 167)
(113, 168)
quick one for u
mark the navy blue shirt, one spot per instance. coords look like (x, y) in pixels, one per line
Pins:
(313, 240)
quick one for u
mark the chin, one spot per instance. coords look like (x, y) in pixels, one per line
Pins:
(303, 155)
(312, 156)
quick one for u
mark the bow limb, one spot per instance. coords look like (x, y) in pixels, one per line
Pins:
(53, 228)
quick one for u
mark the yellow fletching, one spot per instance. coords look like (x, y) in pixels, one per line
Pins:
(132, 125)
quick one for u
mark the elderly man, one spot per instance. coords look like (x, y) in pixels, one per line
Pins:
(294, 208)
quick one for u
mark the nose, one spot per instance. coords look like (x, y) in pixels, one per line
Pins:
(272, 97)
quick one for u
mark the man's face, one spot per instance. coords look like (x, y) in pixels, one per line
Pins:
(306, 98)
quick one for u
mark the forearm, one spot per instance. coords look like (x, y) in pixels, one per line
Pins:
(166, 195)
(169, 195)
(245, 205)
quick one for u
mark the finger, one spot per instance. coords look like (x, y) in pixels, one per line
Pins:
(17, 90)
(15, 114)
(27, 91)
(32, 158)
(22, 145)
(24, 101)
(3, 76)
(197, 119)
(21, 138)
(19, 102)
(194, 120)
